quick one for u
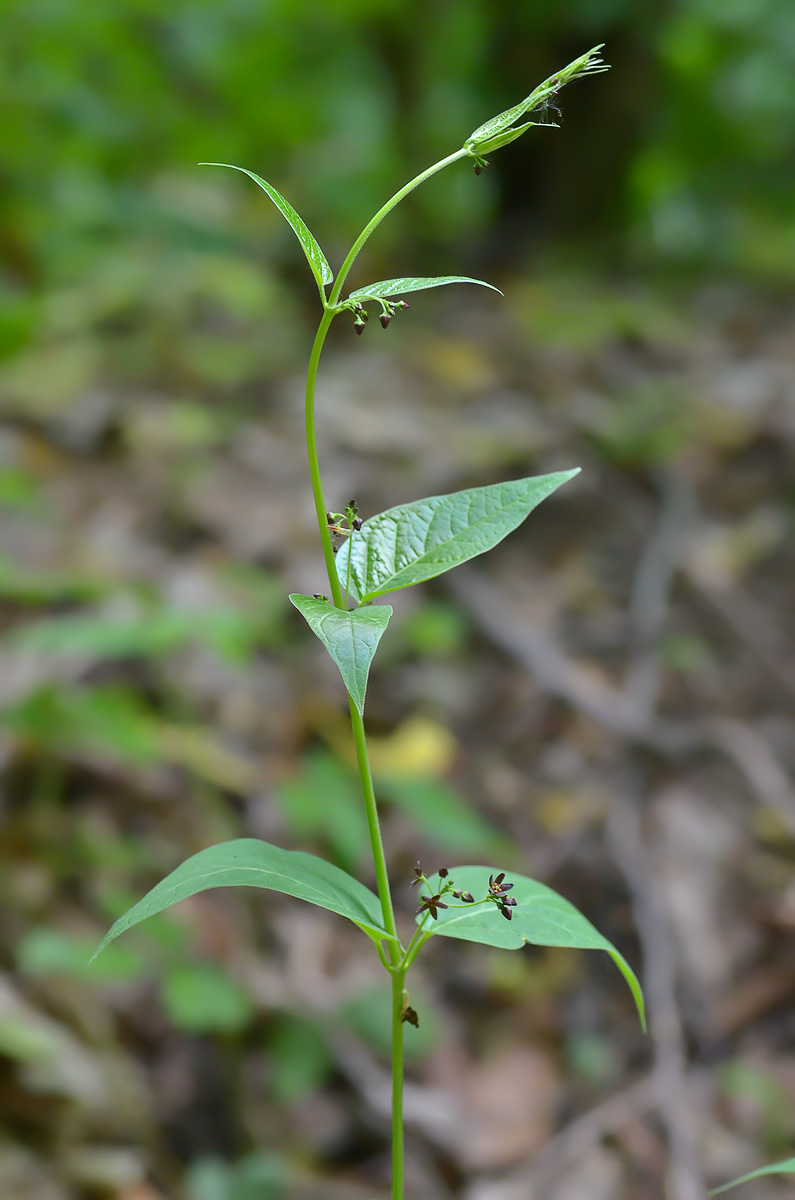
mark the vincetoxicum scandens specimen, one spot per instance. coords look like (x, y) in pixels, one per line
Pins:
(364, 561)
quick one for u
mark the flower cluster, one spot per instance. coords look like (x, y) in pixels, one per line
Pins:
(497, 894)
(388, 310)
(340, 526)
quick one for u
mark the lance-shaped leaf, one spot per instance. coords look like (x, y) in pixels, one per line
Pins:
(541, 917)
(387, 288)
(248, 862)
(350, 636)
(587, 64)
(787, 1167)
(414, 542)
(314, 255)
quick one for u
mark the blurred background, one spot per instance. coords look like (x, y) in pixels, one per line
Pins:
(605, 703)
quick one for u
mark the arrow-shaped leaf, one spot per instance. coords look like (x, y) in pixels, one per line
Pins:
(541, 917)
(787, 1167)
(314, 255)
(414, 542)
(248, 862)
(399, 287)
(350, 636)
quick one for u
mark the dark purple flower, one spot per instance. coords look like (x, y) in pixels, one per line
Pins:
(431, 904)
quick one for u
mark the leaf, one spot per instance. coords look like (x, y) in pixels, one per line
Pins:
(399, 287)
(787, 1167)
(414, 542)
(541, 918)
(350, 636)
(247, 862)
(314, 255)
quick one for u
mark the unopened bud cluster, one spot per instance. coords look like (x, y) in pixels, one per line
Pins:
(388, 310)
(497, 894)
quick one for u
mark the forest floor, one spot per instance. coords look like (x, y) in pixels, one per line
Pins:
(605, 703)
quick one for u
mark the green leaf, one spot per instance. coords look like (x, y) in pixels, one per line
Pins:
(205, 999)
(414, 542)
(587, 64)
(350, 636)
(787, 1167)
(314, 255)
(399, 287)
(247, 862)
(541, 918)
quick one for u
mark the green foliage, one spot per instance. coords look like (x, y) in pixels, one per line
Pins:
(351, 638)
(45, 950)
(247, 862)
(541, 918)
(299, 1061)
(257, 1176)
(321, 800)
(202, 999)
(314, 255)
(441, 815)
(787, 1167)
(414, 542)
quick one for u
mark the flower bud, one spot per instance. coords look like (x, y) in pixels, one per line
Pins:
(356, 523)
(359, 326)
(385, 318)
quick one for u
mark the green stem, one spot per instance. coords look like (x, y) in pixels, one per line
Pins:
(398, 980)
(382, 212)
(397, 963)
(374, 829)
(314, 464)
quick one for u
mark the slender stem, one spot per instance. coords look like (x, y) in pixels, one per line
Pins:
(398, 962)
(409, 955)
(382, 212)
(362, 757)
(374, 829)
(314, 464)
(398, 979)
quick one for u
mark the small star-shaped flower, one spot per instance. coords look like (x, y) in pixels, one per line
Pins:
(431, 904)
